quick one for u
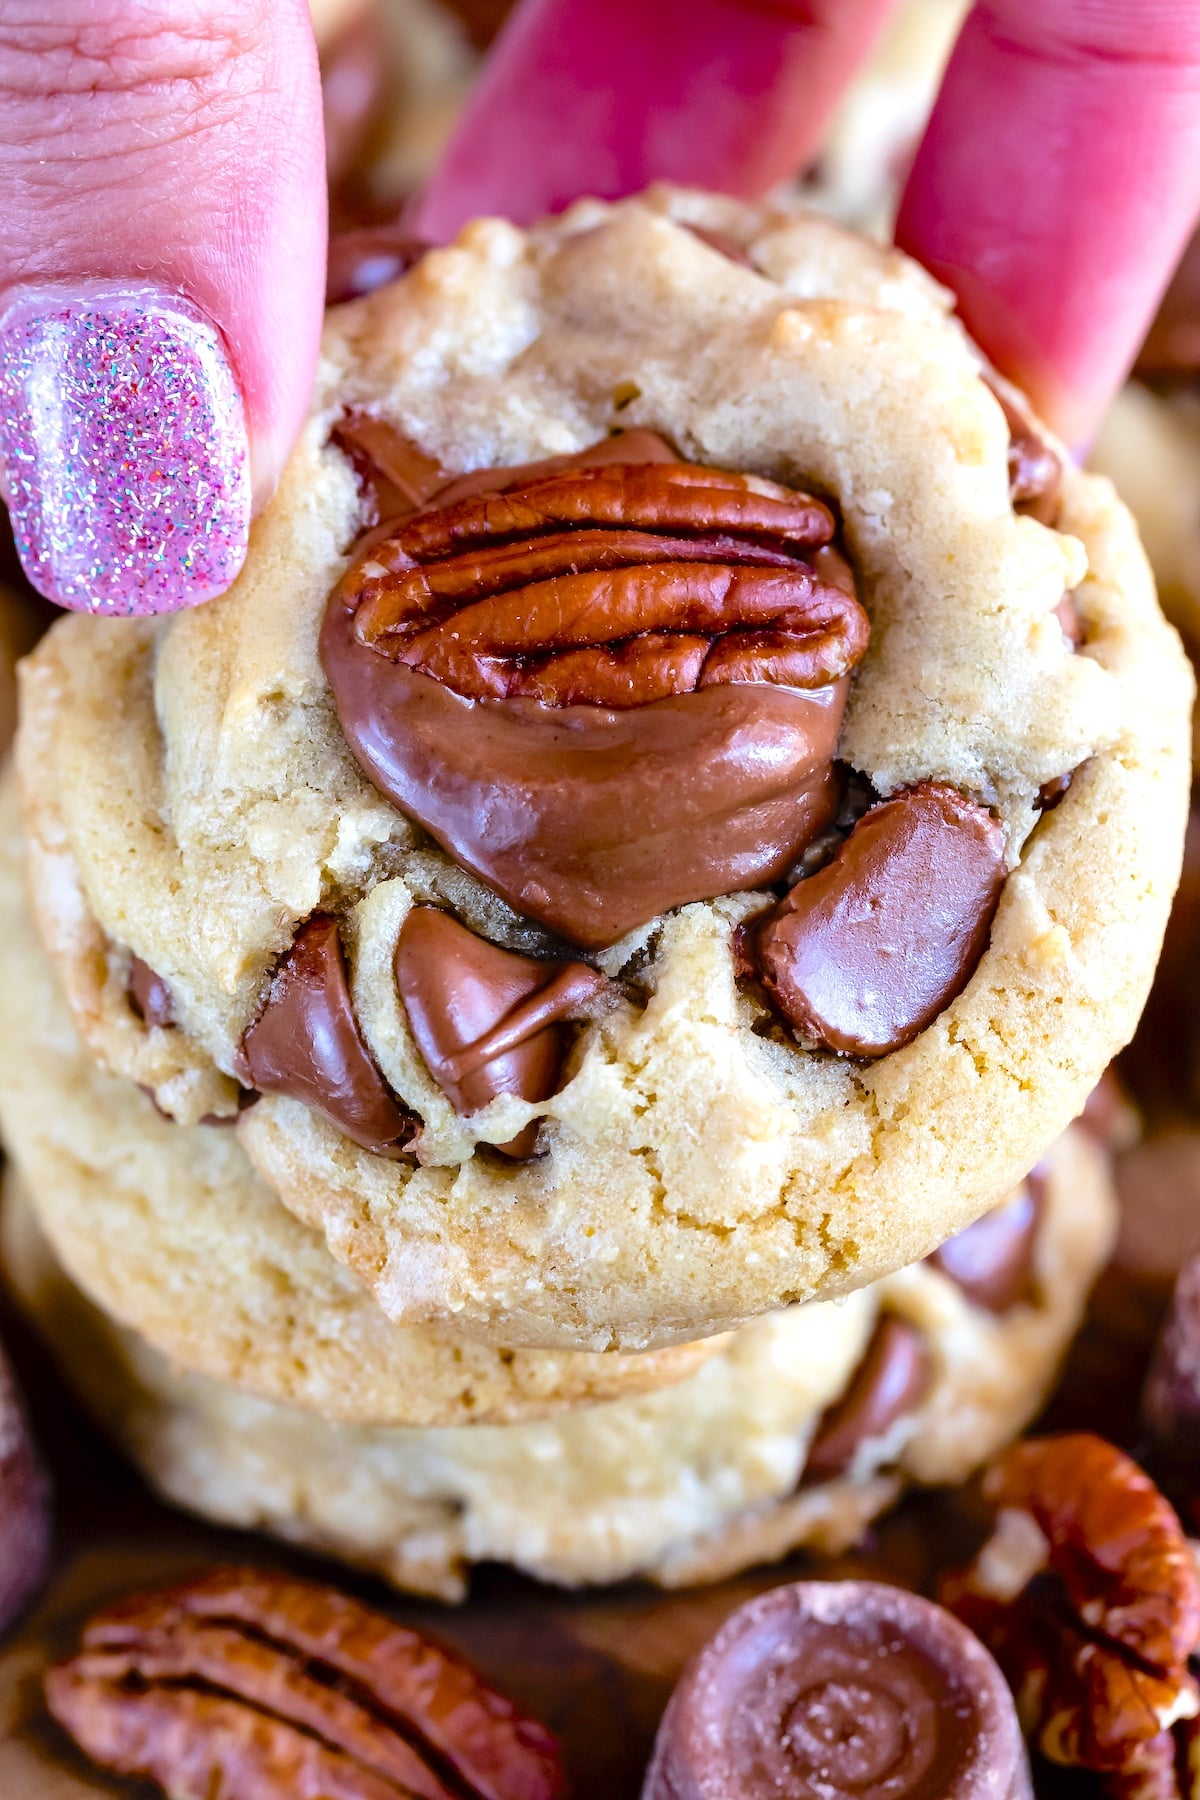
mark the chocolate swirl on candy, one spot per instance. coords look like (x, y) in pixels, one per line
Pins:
(849, 1688)
(486, 1020)
(607, 687)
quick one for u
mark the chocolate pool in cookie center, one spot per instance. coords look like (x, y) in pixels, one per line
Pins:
(607, 688)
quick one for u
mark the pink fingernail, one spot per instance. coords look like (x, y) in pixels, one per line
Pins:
(122, 448)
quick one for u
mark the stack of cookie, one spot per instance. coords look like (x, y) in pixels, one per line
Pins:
(545, 1025)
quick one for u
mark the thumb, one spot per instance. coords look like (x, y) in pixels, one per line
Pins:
(162, 257)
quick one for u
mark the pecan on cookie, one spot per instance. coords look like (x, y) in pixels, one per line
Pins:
(255, 1686)
(606, 688)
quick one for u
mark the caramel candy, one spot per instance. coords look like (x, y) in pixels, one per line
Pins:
(992, 1261)
(863, 955)
(149, 995)
(25, 1521)
(306, 1043)
(890, 1382)
(840, 1688)
(607, 684)
(488, 1021)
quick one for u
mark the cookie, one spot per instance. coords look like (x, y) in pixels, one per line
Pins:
(169, 1228)
(799, 1431)
(736, 1124)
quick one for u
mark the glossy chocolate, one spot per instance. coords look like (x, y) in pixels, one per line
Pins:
(863, 955)
(591, 818)
(1034, 468)
(488, 1021)
(993, 1260)
(368, 258)
(25, 1507)
(306, 1043)
(890, 1382)
(149, 995)
(824, 1690)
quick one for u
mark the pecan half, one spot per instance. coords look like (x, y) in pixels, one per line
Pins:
(254, 1686)
(607, 684)
(1087, 1595)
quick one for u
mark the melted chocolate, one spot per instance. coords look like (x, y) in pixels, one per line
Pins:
(486, 1020)
(993, 1260)
(863, 955)
(846, 1690)
(306, 1043)
(395, 476)
(591, 819)
(149, 995)
(890, 1382)
(1034, 468)
(361, 261)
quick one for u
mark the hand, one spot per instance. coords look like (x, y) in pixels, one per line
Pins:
(162, 261)
(1055, 187)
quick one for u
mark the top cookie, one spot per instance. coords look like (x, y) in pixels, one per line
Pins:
(593, 717)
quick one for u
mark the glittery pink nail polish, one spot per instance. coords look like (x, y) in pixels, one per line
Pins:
(123, 448)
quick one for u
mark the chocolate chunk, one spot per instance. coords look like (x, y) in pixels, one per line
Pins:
(306, 1043)
(25, 1519)
(394, 475)
(363, 260)
(723, 244)
(149, 995)
(863, 955)
(890, 1382)
(1172, 346)
(1034, 468)
(1171, 1399)
(487, 1021)
(827, 1689)
(992, 1261)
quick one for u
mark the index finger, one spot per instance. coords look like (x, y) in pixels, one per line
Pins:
(1056, 184)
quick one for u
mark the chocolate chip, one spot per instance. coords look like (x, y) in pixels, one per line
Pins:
(863, 955)
(149, 995)
(827, 1689)
(487, 1021)
(723, 244)
(306, 1043)
(992, 1261)
(1034, 468)
(363, 260)
(890, 1382)
(25, 1516)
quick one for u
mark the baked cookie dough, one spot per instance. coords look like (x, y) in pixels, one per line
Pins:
(793, 1435)
(168, 1227)
(192, 800)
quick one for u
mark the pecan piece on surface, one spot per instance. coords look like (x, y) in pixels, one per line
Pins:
(254, 1686)
(1087, 1595)
(840, 1690)
(307, 1043)
(25, 1507)
(607, 684)
(889, 1384)
(862, 956)
(486, 1020)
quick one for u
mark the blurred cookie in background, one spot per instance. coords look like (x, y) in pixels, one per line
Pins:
(394, 75)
